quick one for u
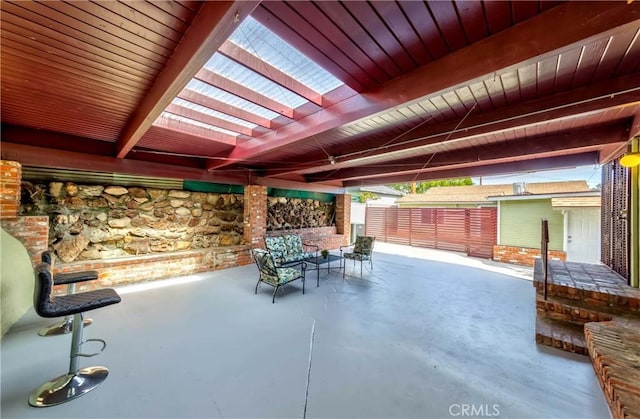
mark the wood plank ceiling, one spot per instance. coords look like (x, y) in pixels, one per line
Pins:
(318, 95)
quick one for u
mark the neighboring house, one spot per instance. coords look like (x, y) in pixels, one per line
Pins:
(572, 209)
(387, 197)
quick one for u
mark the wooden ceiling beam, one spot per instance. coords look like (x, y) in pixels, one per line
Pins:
(198, 131)
(569, 142)
(209, 119)
(619, 92)
(286, 23)
(246, 93)
(550, 163)
(55, 140)
(624, 91)
(61, 159)
(217, 105)
(531, 39)
(247, 59)
(213, 24)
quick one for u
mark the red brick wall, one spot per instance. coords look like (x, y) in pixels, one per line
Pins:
(10, 179)
(32, 232)
(523, 255)
(255, 215)
(343, 217)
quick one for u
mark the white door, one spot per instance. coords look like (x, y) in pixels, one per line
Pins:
(583, 235)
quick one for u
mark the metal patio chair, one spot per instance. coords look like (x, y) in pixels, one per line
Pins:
(362, 251)
(276, 276)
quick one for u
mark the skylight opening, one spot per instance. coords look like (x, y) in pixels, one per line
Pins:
(267, 46)
(199, 124)
(233, 100)
(211, 112)
(222, 65)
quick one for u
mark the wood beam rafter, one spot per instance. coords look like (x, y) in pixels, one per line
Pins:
(246, 93)
(519, 44)
(209, 119)
(618, 92)
(565, 143)
(278, 19)
(217, 105)
(549, 163)
(213, 24)
(59, 159)
(198, 131)
(245, 58)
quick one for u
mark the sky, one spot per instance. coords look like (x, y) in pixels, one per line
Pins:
(591, 174)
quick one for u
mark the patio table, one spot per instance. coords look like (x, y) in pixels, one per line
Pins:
(319, 260)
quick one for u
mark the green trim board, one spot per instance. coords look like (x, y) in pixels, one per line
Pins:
(199, 186)
(520, 223)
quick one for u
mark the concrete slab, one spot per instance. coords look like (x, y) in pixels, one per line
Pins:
(427, 334)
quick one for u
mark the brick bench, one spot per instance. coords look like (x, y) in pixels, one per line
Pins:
(614, 348)
(144, 268)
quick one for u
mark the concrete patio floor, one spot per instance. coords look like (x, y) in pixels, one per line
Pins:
(427, 334)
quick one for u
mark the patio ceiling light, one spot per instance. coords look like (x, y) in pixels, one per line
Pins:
(630, 159)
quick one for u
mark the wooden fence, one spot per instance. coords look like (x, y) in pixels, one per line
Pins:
(469, 230)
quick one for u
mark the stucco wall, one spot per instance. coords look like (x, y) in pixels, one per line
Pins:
(16, 281)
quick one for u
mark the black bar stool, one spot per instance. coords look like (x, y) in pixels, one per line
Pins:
(76, 382)
(69, 280)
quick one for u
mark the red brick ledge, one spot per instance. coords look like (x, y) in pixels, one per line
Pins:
(614, 349)
(525, 256)
(144, 268)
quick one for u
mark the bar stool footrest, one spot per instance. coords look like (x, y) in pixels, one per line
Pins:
(104, 345)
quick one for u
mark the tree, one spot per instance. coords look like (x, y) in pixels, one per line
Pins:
(368, 196)
(422, 187)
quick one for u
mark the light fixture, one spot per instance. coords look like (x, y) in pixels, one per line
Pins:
(332, 160)
(630, 159)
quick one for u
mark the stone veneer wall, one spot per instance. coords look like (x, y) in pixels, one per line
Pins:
(523, 255)
(76, 209)
(93, 222)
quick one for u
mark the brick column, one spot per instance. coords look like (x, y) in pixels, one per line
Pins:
(343, 217)
(10, 178)
(32, 232)
(255, 215)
